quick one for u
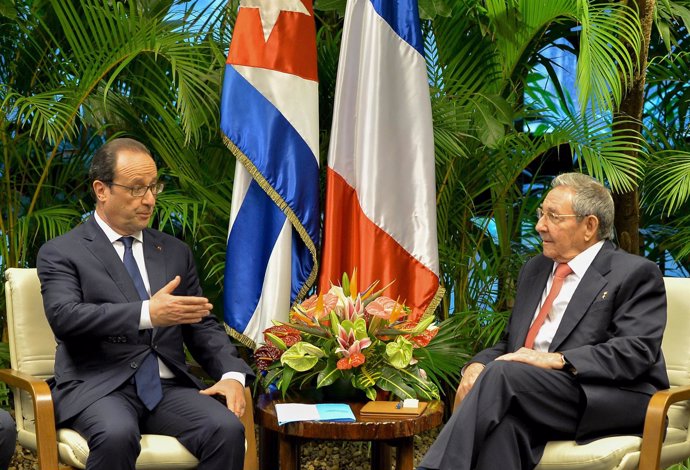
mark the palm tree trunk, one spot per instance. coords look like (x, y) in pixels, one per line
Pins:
(627, 204)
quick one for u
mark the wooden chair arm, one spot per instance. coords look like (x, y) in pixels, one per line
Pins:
(46, 435)
(655, 424)
(251, 459)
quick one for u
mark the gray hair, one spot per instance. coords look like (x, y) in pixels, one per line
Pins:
(590, 198)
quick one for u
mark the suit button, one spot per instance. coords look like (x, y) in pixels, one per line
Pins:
(134, 365)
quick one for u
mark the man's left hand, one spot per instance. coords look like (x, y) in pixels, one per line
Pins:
(233, 391)
(545, 360)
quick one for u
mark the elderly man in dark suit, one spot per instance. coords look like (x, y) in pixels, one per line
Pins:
(581, 354)
(123, 300)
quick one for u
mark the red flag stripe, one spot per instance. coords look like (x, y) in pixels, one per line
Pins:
(249, 47)
(352, 240)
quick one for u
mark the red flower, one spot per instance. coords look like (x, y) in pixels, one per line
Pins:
(354, 360)
(288, 334)
(266, 355)
(423, 340)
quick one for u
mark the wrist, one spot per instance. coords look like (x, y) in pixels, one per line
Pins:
(566, 365)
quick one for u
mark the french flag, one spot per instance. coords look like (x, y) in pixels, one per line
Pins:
(380, 214)
(269, 117)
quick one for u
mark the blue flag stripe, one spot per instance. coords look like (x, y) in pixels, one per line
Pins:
(403, 18)
(250, 244)
(274, 147)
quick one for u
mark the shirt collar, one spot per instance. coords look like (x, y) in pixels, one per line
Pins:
(112, 235)
(580, 264)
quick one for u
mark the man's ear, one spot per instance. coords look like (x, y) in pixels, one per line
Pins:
(591, 227)
(99, 189)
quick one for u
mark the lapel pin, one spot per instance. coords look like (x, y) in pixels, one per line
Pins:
(159, 248)
(603, 296)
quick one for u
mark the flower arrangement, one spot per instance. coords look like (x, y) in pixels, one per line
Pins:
(365, 338)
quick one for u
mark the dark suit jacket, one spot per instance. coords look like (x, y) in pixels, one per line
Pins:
(93, 308)
(611, 332)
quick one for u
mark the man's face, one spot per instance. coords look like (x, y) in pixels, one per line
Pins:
(124, 213)
(567, 237)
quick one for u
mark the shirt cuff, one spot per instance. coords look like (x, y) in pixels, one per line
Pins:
(239, 376)
(145, 316)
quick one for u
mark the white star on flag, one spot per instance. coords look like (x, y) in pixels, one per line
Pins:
(270, 9)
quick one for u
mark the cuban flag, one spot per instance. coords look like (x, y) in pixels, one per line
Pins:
(269, 117)
(380, 214)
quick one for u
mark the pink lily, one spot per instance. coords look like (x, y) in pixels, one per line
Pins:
(349, 344)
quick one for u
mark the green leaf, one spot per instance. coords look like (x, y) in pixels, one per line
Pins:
(329, 374)
(346, 285)
(285, 379)
(429, 9)
(301, 356)
(360, 327)
(331, 5)
(399, 352)
(277, 342)
(391, 380)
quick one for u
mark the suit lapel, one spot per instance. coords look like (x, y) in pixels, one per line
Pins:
(101, 248)
(592, 283)
(154, 257)
(534, 283)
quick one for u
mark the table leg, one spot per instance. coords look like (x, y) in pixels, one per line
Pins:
(268, 449)
(380, 456)
(289, 453)
(405, 454)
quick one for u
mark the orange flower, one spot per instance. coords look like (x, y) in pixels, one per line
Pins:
(353, 360)
(316, 309)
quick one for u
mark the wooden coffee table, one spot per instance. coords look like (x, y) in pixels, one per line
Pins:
(280, 445)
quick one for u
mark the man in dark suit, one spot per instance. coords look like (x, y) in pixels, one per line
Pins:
(123, 300)
(581, 354)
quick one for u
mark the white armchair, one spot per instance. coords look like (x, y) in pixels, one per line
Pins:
(651, 451)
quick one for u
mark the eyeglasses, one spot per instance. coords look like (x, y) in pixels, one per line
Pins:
(554, 218)
(140, 191)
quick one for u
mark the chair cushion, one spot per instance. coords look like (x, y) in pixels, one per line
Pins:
(601, 454)
(157, 452)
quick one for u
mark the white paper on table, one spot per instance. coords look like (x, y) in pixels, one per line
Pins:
(291, 412)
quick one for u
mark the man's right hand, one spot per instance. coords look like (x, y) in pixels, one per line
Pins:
(167, 309)
(469, 377)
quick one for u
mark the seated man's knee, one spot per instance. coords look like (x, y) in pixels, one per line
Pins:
(117, 438)
(507, 372)
(227, 426)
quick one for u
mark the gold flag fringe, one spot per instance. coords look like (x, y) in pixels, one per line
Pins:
(292, 217)
(431, 308)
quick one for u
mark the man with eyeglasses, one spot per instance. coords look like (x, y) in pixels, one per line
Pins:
(581, 355)
(123, 300)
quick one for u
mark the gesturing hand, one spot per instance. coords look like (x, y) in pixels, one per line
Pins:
(167, 309)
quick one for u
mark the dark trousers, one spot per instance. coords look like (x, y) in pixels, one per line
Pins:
(8, 439)
(113, 426)
(507, 418)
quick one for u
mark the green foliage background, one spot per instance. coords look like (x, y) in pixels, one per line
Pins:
(74, 73)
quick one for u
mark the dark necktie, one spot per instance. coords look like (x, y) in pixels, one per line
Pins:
(147, 376)
(562, 271)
